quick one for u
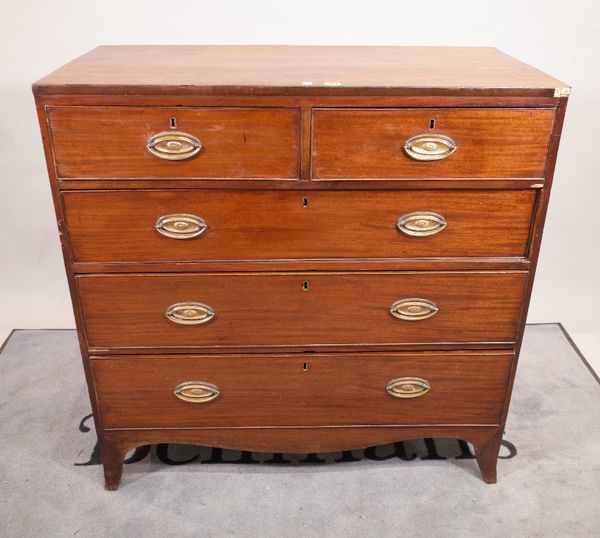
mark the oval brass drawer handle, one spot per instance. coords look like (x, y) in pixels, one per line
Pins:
(427, 147)
(196, 391)
(190, 313)
(413, 309)
(173, 145)
(421, 223)
(407, 387)
(180, 226)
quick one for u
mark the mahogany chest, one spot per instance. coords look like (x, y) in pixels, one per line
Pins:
(299, 249)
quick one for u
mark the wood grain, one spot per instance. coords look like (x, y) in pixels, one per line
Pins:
(303, 265)
(118, 226)
(116, 443)
(491, 143)
(318, 99)
(110, 142)
(65, 246)
(260, 121)
(399, 184)
(274, 309)
(137, 392)
(536, 240)
(273, 69)
(306, 440)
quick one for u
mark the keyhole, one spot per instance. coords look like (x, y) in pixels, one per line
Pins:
(432, 123)
(305, 201)
(305, 366)
(305, 285)
(172, 122)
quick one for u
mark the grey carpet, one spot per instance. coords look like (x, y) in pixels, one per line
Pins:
(51, 484)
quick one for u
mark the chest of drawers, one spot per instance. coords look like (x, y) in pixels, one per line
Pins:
(299, 249)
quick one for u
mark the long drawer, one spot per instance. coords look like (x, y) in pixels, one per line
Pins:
(216, 310)
(321, 389)
(178, 225)
(430, 143)
(204, 143)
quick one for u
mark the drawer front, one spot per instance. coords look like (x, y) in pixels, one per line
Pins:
(489, 143)
(234, 391)
(142, 226)
(112, 142)
(296, 309)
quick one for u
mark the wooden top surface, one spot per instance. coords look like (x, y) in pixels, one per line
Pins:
(296, 70)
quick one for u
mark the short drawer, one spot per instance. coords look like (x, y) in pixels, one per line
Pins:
(220, 310)
(321, 390)
(163, 226)
(430, 143)
(171, 143)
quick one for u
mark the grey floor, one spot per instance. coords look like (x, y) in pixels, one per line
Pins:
(51, 484)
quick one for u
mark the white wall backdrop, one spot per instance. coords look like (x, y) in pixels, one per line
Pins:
(560, 38)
